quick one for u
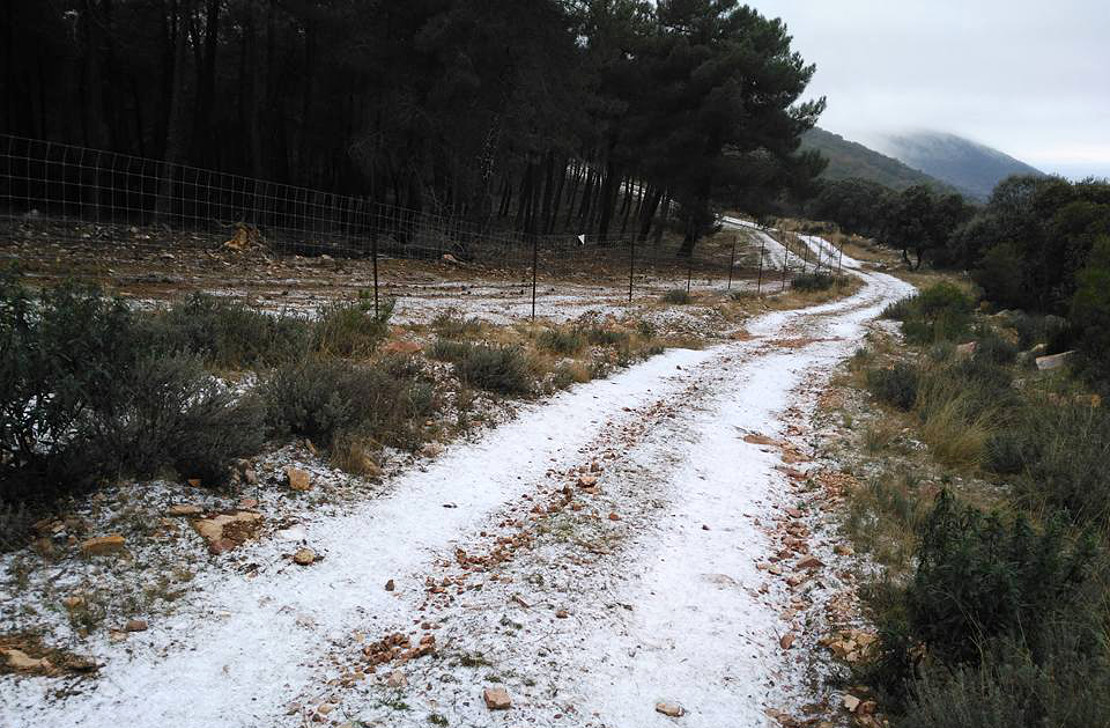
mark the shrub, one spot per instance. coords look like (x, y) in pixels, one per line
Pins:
(565, 341)
(321, 399)
(498, 369)
(1090, 309)
(1001, 274)
(600, 336)
(980, 576)
(452, 325)
(1064, 685)
(1067, 460)
(939, 313)
(226, 334)
(677, 296)
(991, 347)
(813, 282)
(351, 328)
(447, 350)
(897, 386)
(1006, 452)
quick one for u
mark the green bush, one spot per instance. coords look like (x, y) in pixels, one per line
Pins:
(565, 341)
(1090, 309)
(812, 282)
(991, 347)
(1001, 274)
(1067, 460)
(351, 328)
(896, 386)
(83, 398)
(1066, 684)
(227, 334)
(939, 313)
(450, 351)
(170, 412)
(322, 398)
(980, 576)
(452, 325)
(600, 336)
(678, 297)
(498, 369)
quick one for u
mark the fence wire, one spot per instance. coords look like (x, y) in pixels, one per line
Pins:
(52, 194)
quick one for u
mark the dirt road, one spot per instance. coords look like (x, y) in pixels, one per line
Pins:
(595, 557)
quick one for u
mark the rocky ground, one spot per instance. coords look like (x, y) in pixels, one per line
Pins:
(638, 550)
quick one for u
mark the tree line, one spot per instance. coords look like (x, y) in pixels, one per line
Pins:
(1040, 244)
(548, 115)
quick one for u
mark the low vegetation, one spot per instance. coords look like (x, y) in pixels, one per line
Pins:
(995, 605)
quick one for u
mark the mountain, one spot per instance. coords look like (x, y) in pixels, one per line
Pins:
(972, 168)
(849, 159)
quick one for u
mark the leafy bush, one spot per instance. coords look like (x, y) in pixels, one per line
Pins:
(897, 386)
(447, 350)
(1065, 685)
(322, 399)
(677, 296)
(980, 576)
(351, 328)
(452, 325)
(1067, 459)
(991, 347)
(498, 369)
(813, 282)
(1001, 274)
(83, 398)
(170, 412)
(1090, 309)
(601, 336)
(565, 341)
(226, 334)
(939, 313)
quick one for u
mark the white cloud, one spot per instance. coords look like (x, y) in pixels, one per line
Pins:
(1031, 78)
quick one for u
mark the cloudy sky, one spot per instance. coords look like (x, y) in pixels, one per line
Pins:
(1029, 77)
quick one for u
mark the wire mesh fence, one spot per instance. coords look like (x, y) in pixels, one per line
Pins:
(110, 205)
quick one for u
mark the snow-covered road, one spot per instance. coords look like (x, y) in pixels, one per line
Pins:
(589, 605)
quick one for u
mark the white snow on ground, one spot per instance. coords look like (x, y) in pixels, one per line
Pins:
(666, 611)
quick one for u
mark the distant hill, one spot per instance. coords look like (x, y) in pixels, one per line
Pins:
(849, 159)
(970, 167)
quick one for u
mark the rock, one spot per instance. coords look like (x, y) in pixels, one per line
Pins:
(760, 440)
(794, 513)
(614, 517)
(1046, 363)
(304, 557)
(225, 531)
(20, 661)
(184, 510)
(136, 625)
(396, 679)
(786, 641)
(390, 586)
(843, 550)
(193, 482)
(432, 450)
(497, 698)
(670, 710)
(73, 602)
(587, 481)
(851, 703)
(250, 477)
(103, 545)
(297, 479)
(809, 563)
(561, 614)
(595, 467)
(967, 349)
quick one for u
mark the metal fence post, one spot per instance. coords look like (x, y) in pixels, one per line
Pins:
(840, 261)
(535, 262)
(732, 262)
(374, 253)
(759, 281)
(631, 267)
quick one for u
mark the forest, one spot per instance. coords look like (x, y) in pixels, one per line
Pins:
(543, 115)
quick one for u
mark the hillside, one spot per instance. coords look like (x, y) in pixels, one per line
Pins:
(849, 159)
(972, 168)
